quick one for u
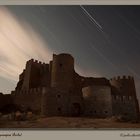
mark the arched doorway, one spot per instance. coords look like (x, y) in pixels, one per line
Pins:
(76, 109)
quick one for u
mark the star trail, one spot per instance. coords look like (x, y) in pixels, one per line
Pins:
(104, 40)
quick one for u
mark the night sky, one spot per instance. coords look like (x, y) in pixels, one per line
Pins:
(104, 40)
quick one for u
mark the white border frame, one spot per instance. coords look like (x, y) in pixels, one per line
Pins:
(70, 134)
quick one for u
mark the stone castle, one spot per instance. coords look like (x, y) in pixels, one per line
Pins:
(55, 89)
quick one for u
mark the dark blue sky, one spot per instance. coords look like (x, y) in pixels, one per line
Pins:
(106, 46)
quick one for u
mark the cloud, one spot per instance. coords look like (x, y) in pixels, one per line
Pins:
(18, 43)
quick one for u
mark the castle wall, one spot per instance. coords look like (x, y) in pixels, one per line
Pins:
(57, 102)
(97, 101)
(87, 81)
(5, 99)
(62, 71)
(124, 106)
(29, 99)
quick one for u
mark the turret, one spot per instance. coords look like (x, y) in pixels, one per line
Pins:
(62, 71)
(124, 85)
(124, 88)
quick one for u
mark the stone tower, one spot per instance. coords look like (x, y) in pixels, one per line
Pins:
(124, 97)
(36, 74)
(62, 71)
(27, 75)
(124, 85)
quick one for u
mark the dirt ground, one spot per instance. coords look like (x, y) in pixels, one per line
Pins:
(69, 123)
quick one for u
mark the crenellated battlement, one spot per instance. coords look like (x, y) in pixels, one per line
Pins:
(35, 91)
(122, 98)
(33, 61)
(124, 77)
(57, 89)
(123, 85)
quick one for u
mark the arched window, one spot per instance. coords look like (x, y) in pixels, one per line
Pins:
(106, 112)
(60, 65)
(58, 96)
(59, 109)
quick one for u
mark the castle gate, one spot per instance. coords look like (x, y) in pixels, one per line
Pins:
(76, 109)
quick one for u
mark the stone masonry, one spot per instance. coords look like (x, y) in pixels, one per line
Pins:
(55, 89)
